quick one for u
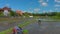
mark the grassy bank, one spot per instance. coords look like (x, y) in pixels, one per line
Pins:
(56, 18)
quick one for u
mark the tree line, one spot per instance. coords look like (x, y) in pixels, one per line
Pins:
(13, 13)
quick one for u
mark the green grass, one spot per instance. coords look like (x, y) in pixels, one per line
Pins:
(6, 31)
(56, 18)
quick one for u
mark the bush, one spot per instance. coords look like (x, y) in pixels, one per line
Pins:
(25, 31)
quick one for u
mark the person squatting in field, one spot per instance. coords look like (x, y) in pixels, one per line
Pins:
(17, 30)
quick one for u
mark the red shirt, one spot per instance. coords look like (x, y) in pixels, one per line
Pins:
(14, 31)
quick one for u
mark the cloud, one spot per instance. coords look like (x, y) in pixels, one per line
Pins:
(24, 11)
(44, 11)
(7, 5)
(47, 0)
(40, 1)
(37, 9)
(57, 5)
(57, 8)
(44, 4)
(57, 1)
(30, 8)
(50, 10)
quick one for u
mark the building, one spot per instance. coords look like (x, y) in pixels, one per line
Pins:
(4, 8)
(5, 11)
(20, 13)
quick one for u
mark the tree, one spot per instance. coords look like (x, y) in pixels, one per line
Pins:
(1, 14)
(12, 13)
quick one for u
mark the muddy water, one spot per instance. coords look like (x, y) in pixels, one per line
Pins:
(6, 25)
(46, 27)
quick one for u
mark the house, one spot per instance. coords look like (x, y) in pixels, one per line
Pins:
(4, 8)
(5, 11)
(19, 12)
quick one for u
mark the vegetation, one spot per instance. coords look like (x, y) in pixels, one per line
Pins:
(27, 14)
(12, 13)
(1, 14)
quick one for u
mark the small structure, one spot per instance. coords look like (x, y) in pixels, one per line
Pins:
(31, 16)
(20, 13)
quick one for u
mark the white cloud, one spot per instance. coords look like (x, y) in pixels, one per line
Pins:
(50, 10)
(40, 1)
(24, 11)
(30, 9)
(44, 4)
(44, 11)
(57, 1)
(36, 9)
(7, 5)
(47, 0)
(57, 8)
(57, 5)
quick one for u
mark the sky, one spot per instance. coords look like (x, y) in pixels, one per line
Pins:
(32, 6)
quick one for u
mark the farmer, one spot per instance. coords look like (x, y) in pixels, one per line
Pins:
(17, 30)
(39, 22)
